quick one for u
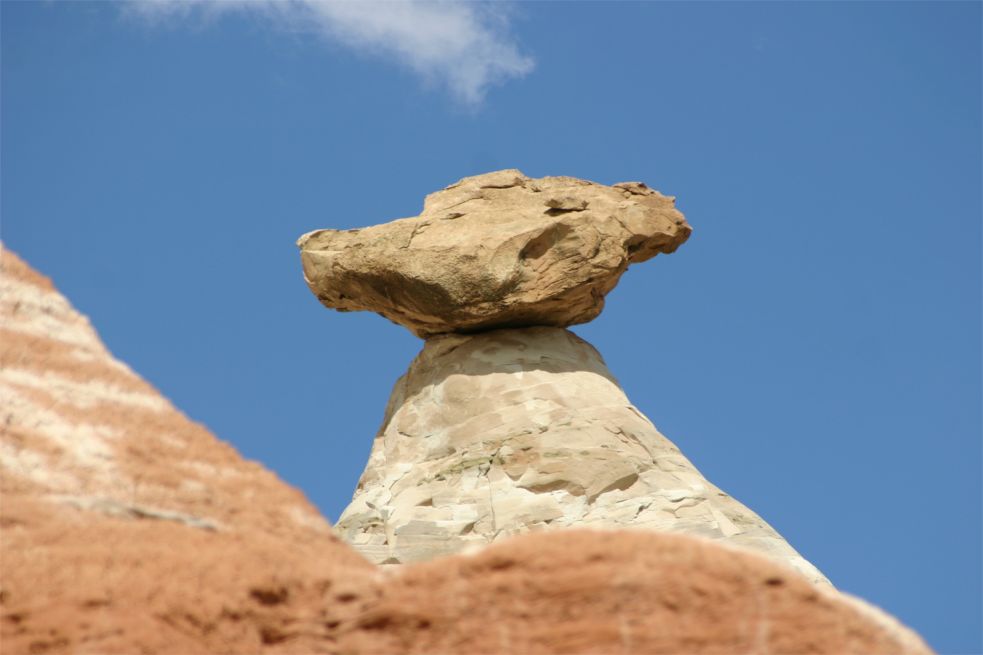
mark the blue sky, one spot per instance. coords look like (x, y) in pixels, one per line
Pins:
(814, 348)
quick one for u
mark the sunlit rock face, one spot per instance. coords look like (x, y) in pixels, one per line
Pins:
(83, 432)
(126, 528)
(495, 250)
(519, 430)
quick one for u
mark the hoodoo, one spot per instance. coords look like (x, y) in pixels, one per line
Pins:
(506, 422)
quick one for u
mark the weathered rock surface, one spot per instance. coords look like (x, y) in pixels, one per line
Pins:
(510, 431)
(84, 432)
(126, 528)
(495, 250)
(579, 591)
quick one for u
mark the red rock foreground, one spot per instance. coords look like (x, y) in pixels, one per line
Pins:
(127, 528)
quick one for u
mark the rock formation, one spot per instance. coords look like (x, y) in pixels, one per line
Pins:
(83, 431)
(509, 431)
(495, 250)
(126, 528)
(504, 431)
(581, 591)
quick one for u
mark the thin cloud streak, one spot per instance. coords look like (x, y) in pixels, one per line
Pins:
(464, 46)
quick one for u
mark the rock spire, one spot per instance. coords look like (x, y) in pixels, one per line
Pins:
(511, 431)
(505, 422)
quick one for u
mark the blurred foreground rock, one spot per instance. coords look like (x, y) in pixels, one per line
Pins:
(126, 528)
(581, 591)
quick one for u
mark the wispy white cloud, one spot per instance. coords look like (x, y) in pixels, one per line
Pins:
(463, 45)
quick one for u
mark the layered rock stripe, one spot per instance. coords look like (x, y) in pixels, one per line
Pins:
(510, 431)
(82, 430)
(126, 528)
(495, 250)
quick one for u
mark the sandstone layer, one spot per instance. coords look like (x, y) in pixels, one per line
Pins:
(510, 431)
(495, 250)
(85, 433)
(126, 528)
(581, 591)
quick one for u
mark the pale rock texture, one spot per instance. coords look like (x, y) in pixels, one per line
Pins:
(126, 528)
(495, 250)
(511, 431)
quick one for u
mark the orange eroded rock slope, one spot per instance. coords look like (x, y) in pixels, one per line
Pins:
(127, 528)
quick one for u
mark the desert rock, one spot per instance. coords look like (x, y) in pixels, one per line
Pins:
(580, 591)
(126, 528)
(495, 250)
(85, 433)
(519, 430)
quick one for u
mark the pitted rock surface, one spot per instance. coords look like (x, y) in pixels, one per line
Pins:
(518, 430)
(495, 250)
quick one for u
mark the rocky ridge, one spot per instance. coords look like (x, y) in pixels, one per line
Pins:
(83, 431)
(125, 528)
